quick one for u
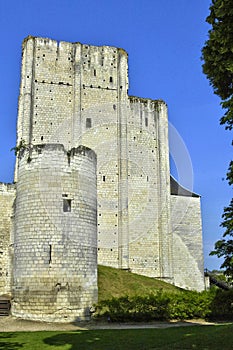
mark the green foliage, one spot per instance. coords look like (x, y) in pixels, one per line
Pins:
(218, 66)
(136, 308)
(222, 305)
(21, 146)
(158, 306)
(224, 247)
(218, 55)
(190, 305)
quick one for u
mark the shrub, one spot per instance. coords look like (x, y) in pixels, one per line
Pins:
(159, 306)
(222, 305)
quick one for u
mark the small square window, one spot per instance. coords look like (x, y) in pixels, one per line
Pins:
(88, 122)
(66, 205)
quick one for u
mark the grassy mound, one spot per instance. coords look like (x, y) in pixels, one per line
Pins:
(117, 283)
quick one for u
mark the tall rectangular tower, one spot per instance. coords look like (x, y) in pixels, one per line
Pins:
(76, 94)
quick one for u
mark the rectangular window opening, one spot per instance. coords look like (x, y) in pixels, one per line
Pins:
(146, 121)
(50, 253)
(88, 123)
(66, 205)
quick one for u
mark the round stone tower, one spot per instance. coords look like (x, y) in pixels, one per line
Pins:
(55, 238)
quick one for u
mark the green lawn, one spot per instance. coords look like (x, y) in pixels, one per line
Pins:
(183, 338)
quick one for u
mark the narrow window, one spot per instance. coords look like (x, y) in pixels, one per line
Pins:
(88, 123)
(50, 253)
(104, 178)
(66, 205)
(42, 138)
(146, 121)
(94, 72)
(110, 80)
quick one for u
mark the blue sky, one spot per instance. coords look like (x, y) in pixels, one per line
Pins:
(164, 41)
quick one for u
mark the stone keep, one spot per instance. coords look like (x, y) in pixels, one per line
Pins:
(70, 95)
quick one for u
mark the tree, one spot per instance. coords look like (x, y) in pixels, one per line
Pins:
(224, 247)
(217, 54)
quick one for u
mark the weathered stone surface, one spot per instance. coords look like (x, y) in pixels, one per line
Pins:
(73, 94)
(7, 197)
(55, 238)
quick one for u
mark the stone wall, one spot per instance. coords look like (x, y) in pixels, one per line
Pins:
(74, 94)
(188, 264)
(7, 196)
(55, 239)
(148, 189)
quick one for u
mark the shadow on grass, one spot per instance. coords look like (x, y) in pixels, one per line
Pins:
(199, 337)
(9, 345)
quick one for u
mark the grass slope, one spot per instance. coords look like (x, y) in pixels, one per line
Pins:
(116, 283)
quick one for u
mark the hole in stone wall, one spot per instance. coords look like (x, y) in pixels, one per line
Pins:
(88, 123)
(110, 80)
(104, 178)
(42, 138)
(66, 205)
(50, 253)
(146, 121)
(94, 72)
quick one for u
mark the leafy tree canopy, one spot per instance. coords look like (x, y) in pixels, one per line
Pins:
(218, 55)
(224, 247)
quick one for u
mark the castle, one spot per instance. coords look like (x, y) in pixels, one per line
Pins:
(92, 178)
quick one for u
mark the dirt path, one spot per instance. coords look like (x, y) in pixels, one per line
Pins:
(13, 324)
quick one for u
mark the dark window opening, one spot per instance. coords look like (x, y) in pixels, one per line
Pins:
(104, 178)
(50, 253)
(146, 121)
(88, 122)
(94, 73)
(66, 205)
(110, 80)
(42, 138)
